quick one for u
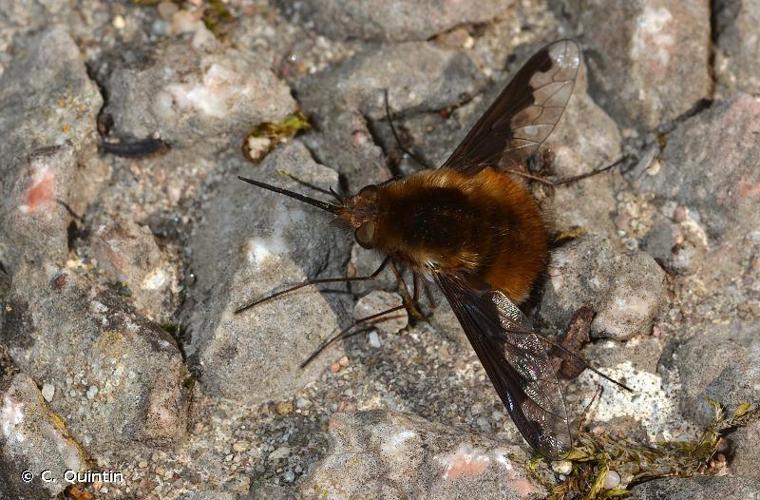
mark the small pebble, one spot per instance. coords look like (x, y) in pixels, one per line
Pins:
(680, 214)
(562, 467)
(343, 361)
(92, 392)
(374, 340)
(281, 452)
(302, 403)
(166, 10)
(612, 480)
(142, 464)
(48, 391)
(240, 446)
(484, 424)
(119, 23)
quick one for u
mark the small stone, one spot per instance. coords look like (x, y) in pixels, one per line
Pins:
(335, 367)
(284, 408)
(680, 214)
(92, 391)
(240, 446)
(612, 480)
(626, 290)
(279, 453)
(374, 339)
(563, 467)
(343, 362)
(142, 464)
(166, 10)
(119, 23)
(48, 391)
(484, 424)
(289, 476)
(302, 403)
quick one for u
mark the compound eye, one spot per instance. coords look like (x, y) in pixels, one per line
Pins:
(365, 234)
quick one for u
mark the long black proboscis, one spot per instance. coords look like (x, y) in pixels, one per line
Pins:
(311, 201)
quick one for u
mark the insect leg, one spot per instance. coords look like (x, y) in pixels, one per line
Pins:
(395, 134)
(410, 301)
(347, 332)
(587, 409)
(580, 360)
(315, 282)
(567, 180)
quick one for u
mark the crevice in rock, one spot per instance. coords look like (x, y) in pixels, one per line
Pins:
(103, 120)
(698, 107)
(715, 9)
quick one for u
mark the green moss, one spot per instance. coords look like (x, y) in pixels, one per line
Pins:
(215, 16)
(595, 455)
(272, 133)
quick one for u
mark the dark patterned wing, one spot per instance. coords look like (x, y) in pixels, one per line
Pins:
(516, 360)
(524, 114)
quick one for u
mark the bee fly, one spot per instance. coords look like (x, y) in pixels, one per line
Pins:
(475, 230)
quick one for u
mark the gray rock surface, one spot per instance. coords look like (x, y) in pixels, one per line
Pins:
(698, 488)
(34, 439)
(738, 45)
(201, 97)
(128, 254)
(745, 451)
(648, 58)
(625, 289)
(390, 455)
(709, 165)
(124, 379)
(574, 154)
(250, 243)
(48, 151)
(398, 20)
(347, 100)
(721, 367)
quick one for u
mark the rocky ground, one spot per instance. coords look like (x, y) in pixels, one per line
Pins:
(126, 244)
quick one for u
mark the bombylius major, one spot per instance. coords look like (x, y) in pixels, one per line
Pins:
(473, 228)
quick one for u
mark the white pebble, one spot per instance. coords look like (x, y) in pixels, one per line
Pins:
(48, 391)
(374, 340)
(612, 480)
(119, 23)
(562, 467)
(92, 392)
